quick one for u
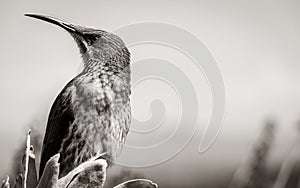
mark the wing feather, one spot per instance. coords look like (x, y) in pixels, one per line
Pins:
(60, 117)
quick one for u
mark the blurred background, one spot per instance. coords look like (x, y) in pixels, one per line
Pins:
(255, 43)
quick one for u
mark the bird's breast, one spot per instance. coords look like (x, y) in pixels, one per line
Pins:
(100, 107)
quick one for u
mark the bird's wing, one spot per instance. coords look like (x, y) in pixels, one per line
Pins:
(60, 117)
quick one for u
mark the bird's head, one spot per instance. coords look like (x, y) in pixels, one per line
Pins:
(93, 43)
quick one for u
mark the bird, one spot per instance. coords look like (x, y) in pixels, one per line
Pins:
(92, 113)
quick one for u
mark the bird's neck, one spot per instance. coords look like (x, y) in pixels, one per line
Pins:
(93, 61)
(93, 65)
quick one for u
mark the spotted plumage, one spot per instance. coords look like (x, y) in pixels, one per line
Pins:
(92, 114)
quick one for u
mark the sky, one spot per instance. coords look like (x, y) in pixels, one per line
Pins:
(255, 44)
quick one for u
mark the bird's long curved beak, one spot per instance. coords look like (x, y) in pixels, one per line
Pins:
(74, 30)
(60, 23)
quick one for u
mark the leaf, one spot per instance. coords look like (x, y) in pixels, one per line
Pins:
(27, 151)
(19, 181)
(5, 183)
(89, 174)
(137, 183)
(49, 178)
(32, 173)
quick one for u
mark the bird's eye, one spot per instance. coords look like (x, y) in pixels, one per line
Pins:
(90, 38)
